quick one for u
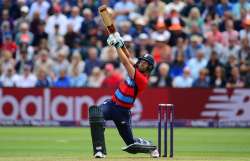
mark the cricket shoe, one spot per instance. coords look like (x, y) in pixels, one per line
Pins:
(155, 154)
(99, 155)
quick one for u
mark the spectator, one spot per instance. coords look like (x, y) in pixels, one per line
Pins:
(196, 31)
(27, 79)
(8, 44)
(112, 77)
(92, 60)
(235, 80)
(162, 76)
(245, 32)
(57, 19)
(53, 39)
(224, 6)
(218, 79)
(213, 63)
(76, 64)
(176, 68)
(193, 47)
(175, 24)
(232, 50)
(34, 24)
(91, 4)
(141, 7)
(41, 6)
(128, 41)
(211, 45)
(160, 30)
(209, 22)
(143, 45)
(188, 7)
(230, 33)
(232, 61)
(247, 79)
(243, 69)
(125, 28)
(40, 34)
(75, 19)
(5, 31)
(43, 45)
(123, 9)
(61, 62)
(208, 8)
(244, 52)
(5, 18)
(194, 19)
(42, 78)
(179, 48)
(60, 47)
(183, 81)
(9, 78)
(161, 50)
(228, 16)
(140, 26)
(71, 36)
(239, 7)
(24, 35)
(154, 10)
(109, 55)
(88, 26)
(214, 33)
(177, 5)
(202, 81)
(23, 61)
(197, 63)
(96, 78)
(24, 18)
(43, 61)
(63, 81)
(13, 7)
(77, 79)
(27, 48)
(6, 61)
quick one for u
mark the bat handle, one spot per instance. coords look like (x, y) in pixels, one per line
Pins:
(111, 29)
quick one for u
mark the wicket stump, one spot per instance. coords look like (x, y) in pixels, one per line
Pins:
(165, 110)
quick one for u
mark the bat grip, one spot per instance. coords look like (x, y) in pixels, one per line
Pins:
(111, 29)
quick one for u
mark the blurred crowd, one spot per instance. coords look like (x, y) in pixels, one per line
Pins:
(62, 43)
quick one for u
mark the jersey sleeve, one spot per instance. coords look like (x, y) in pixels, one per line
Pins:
(140, 80)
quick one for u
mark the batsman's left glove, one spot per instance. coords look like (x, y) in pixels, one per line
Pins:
(115, 40)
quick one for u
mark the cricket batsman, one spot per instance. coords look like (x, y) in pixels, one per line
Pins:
(118, 107)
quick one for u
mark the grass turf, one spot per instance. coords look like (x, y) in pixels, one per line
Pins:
(73, 144)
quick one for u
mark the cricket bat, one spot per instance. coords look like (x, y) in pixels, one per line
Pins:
(109, 24)
(106, 19)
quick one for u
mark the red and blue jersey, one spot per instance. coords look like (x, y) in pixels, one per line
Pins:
(129, 89)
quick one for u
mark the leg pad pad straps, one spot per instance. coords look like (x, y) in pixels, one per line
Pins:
(96, 122)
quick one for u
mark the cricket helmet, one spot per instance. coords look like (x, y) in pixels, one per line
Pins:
(149, 59)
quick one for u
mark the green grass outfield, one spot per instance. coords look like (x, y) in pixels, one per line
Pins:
(74, 144)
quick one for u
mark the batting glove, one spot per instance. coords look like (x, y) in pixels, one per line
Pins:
(111, 40)
(115, 40)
